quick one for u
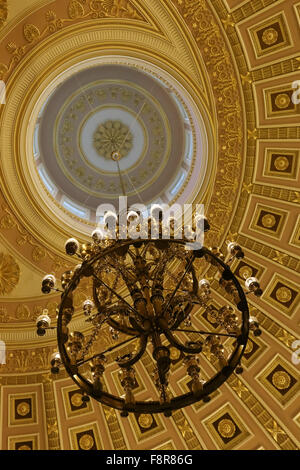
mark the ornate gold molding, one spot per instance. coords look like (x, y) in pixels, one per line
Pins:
(8, 222)
(9, 274)
(33, 34)
(209, 38)
(3, 12)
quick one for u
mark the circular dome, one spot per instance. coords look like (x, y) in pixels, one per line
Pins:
(107, 108)
(77, 115)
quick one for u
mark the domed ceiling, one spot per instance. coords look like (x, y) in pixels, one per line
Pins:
(110, 108)
(197, 97)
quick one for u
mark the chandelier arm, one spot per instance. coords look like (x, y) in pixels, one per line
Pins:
(195, 281)
(111, 249)
(115, 284)
(180, 346)
(189, 264)
(207, 333)
(160, 266)
(137, 356)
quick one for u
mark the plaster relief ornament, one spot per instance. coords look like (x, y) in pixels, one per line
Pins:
(23, 408)
(3, 11)
(86, 442)
(111, 136)
(9, 274)
(281, 163)
(270, 36)
(226, 428)
(281, 380)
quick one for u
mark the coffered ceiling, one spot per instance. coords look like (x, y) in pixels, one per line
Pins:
(217, 74)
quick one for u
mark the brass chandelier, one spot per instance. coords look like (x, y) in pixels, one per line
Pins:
(149, 293)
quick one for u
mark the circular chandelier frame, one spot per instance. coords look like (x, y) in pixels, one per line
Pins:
(154, 328)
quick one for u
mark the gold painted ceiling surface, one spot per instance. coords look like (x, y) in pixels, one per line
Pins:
(233, 62)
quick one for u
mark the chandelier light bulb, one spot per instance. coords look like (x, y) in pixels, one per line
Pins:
(204, 284)
(110, 217)
(43, 322)
(252, 285)
(88, 306)
(254, 326)
(97, 235)
(202, 223)
(55, 362)
(48, 283)
(71, 246)
(235, 250)
(132, 216)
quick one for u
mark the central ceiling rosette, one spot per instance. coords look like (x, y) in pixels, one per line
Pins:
(113, 136)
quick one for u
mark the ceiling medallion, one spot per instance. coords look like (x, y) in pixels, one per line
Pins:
(281, 380)
(76, 399)
(226, 428)
(145, 421)
(111, 135)
(282, 100)
(268, 221)
(281, 163)
(23, 408)
(135, 256)
(86, 442)
(269, 36)
(283, 294)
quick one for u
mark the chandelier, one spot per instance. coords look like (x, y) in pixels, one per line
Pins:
(150, 293)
